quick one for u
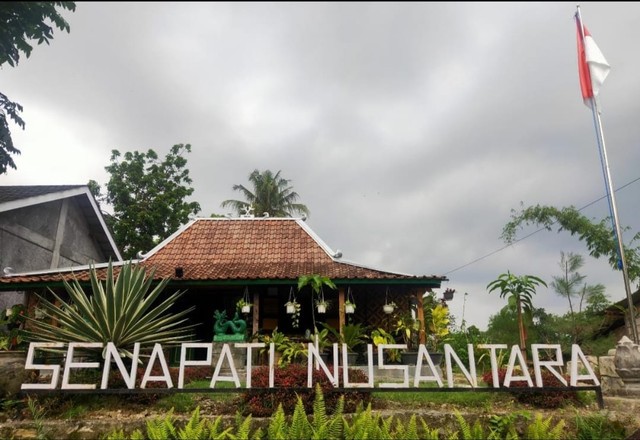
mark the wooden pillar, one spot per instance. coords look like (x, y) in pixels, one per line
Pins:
(422, 336)
(256, 313)
(341, 315)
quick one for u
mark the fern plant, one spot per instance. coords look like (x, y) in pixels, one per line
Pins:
(277, 429)
(195, 428)
(427, 432)
(300, 427)
(243, 427)
(366, 424)
(470, 432)
(324, 426)
(162, 428)
(541, 429)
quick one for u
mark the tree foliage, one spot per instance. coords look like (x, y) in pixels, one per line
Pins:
(22, 24)
(148, 196)
(271, 194)
(571, 284)
(599, 237)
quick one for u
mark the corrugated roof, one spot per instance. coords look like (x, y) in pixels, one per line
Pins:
(219, 249)
(19, 192)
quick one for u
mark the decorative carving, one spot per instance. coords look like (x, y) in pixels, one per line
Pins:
(627, 362)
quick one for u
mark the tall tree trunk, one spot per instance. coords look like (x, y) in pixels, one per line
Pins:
(523, 333)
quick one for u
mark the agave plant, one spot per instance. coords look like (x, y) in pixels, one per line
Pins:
(120, 310)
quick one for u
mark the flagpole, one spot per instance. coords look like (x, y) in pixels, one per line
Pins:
(612, 203)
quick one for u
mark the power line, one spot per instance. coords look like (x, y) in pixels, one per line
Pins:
(534, 232)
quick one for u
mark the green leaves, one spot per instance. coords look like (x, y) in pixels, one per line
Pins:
(316, 282)
(598, 236)
(23, 22)
(148, 197)
(123, 310)
(520, 288)
(271, 194)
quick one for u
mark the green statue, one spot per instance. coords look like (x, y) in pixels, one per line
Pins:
(228, 330)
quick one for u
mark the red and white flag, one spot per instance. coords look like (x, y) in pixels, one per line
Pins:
(592, 65)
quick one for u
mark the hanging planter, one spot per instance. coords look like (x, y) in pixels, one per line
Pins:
(244, 304)
(447, 295)
(292, 304)
(293, 308)
(321, 306)
(388, 307)
(349, 304)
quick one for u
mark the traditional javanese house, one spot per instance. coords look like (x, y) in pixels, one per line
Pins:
(219, 261)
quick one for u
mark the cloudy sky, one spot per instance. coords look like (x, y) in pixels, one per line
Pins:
(410, 130)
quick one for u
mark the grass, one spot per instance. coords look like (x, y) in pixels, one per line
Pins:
(470, 399)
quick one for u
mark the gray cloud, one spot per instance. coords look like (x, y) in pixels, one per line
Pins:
(409, 129)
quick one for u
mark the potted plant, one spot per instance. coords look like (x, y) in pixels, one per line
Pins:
(349, 304)
(316, 282)
(349, 307)
(322, 305)
(353, 335)
(389, 307)
(437, 320)
(408, 328)
(293, 308)
(244, 306)
(280, 341)
(323, 341)
(380, 336)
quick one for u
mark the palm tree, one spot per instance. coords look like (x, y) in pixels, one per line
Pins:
(271, 195)
(519, 291)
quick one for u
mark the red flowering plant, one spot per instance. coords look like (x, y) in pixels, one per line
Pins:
(11, 325)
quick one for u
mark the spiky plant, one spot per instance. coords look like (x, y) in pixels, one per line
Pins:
(120, 310)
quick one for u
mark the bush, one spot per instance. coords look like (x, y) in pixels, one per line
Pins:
(539, 399)
(290, 377)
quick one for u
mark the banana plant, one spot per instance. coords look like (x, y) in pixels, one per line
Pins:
(122, 309)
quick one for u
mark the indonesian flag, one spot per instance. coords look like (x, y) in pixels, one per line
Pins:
(592, 65)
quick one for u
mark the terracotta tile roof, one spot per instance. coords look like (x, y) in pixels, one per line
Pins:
(218, 249)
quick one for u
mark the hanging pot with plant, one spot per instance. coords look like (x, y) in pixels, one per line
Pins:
(322, 305)
(388, 307)
(291, 304)
(316, 281)
(292, 307)
(244, 304)
(349, 304)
